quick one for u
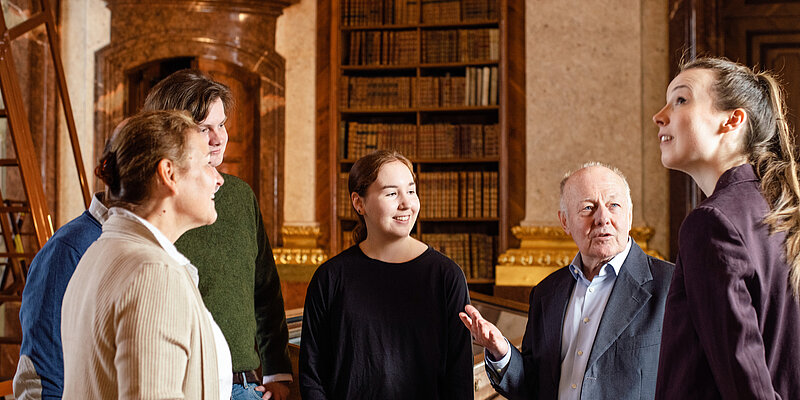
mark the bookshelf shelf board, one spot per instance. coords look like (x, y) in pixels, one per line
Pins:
(480, 63)
(411, 67)
(381, 27)
(458, 109)
(464, 219)
(388, 67)
(491, 23)
(351, 111)
(479, 280)
(486, 160)
(378, 111)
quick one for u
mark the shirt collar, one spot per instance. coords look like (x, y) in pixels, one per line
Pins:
(97, 209)
(615, 264)
(162, 240)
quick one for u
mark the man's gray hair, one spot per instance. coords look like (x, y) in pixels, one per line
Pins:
(563, 207)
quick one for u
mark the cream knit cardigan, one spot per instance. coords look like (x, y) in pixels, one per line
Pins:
(133, 324)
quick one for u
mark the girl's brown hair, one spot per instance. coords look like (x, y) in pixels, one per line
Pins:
(363, 173)
(769, 145)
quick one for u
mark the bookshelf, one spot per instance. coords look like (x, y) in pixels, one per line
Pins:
(431, 79)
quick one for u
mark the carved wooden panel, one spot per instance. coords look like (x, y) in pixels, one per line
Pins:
(232, 40)
(761, 33)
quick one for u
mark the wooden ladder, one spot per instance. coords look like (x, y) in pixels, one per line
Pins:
(22, 239)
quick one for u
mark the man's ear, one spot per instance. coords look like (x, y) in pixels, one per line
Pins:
(562, 217)
(736, 119)
(166, 173)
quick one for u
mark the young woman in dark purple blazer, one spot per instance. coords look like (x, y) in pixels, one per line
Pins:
(732, 319)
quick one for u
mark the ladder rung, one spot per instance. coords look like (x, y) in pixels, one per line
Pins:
(27, 25)
(14, 209)
(3, 112)
(10, 339)
(9, 162)
(18, 255)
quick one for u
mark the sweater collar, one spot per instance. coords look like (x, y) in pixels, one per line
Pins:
(161, 239)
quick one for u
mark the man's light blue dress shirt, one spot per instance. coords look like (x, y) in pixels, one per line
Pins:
(584, 312)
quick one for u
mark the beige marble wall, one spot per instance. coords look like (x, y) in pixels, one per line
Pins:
(295, 40)
(596, 71)
(85, 28)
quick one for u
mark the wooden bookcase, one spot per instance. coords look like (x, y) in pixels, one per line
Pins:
(435, 80)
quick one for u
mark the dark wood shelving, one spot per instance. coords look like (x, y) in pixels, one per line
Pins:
(426, 25)
(488, 160)
(419, 109)
(422, 66)
(469, 176)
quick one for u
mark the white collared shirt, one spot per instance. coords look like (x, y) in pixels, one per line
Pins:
(224, 363)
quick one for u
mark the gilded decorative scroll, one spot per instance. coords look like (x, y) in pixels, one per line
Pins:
(299, 246)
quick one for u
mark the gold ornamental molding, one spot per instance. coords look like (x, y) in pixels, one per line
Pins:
(545, 249)
(285, 256)
(299, 257)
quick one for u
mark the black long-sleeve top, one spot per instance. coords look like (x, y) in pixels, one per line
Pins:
(376, 330)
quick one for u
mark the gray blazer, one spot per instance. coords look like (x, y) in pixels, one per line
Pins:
(624, 357)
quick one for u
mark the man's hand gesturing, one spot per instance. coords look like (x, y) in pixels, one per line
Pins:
(484, 332)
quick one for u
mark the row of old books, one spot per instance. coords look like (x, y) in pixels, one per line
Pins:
(379, 12)
(344, 206)
(460, 45)
(383, 12)
(478, 88)
(347, 239)
(441, 91)
(481, 86)
(443, 141)
(361, 139)
(458, 194)
(454, 194)
(473, 252)
(435, 141)
(381, 48)
(376, 93)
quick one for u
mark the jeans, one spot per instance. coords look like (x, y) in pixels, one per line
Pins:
(246, 392)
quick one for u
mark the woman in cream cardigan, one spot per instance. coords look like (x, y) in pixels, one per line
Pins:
(133, 322)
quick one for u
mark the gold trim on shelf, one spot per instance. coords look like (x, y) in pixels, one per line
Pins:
(299, 246)
(284, 256)
(300, 236)
(545, 249)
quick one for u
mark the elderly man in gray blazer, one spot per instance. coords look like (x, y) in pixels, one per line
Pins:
(594, 327)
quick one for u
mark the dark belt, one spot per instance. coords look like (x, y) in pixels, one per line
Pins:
(250, 376)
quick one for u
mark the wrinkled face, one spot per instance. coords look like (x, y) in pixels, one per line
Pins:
(688, 124)
(198, 180)
(391, 205)
(214, 126)
(597, 214)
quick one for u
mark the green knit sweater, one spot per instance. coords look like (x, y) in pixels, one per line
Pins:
(239, 281)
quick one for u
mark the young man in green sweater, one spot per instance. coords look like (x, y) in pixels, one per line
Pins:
(238, 278)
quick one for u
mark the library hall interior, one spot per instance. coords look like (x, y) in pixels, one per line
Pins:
(399, 199)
